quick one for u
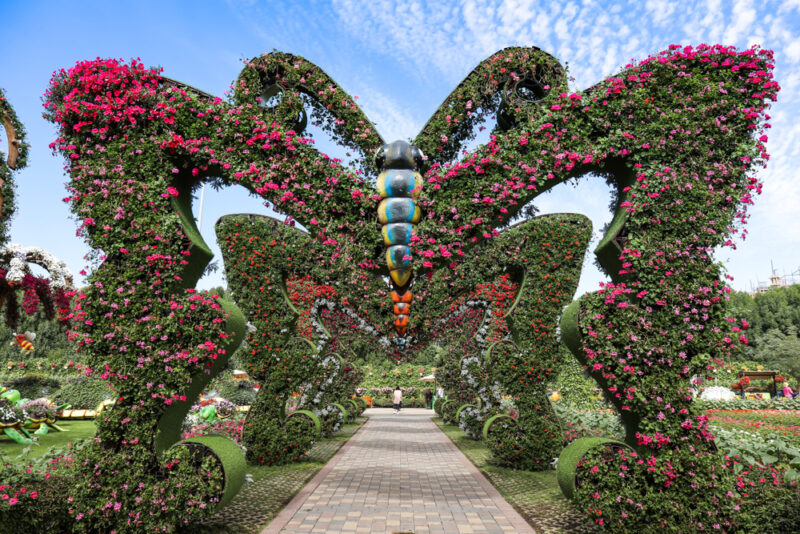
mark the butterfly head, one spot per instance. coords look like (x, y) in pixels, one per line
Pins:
(398, 155)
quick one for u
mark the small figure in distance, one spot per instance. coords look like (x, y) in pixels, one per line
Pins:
(397, 399)
(428, 399)
(787, 391)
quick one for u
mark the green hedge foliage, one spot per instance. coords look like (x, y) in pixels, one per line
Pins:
(239, 392)
(83, 394)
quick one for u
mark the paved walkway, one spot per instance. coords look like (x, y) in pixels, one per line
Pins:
(399, 474)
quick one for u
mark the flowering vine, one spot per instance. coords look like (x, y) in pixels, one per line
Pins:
(676, 134)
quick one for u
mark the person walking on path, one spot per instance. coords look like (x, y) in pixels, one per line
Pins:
(428, 399)
(397, 399)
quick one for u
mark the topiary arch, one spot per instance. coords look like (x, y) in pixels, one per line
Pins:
(676, 135)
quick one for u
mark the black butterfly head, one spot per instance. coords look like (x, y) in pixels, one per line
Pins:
(398, 155)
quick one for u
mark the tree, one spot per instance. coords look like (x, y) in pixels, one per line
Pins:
(779, 350)
(774, 319)
(776, 309)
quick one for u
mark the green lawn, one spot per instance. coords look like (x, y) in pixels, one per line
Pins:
(76, 430)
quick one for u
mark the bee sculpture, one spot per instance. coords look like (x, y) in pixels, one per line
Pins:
(24, 341)
(399, 184)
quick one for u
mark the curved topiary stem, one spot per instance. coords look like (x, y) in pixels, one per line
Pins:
(314, 419)
(570, 458)
(169, 426)
(230, 455)
(342, 409)
(487, 426)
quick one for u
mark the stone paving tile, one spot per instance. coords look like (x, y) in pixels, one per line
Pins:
(535, 495)
(260, 501)
(400, 473)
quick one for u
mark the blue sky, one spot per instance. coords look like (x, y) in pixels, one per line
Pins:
(401, 59)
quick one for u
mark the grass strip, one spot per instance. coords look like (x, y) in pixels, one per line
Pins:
(75, 430)
(535, 495)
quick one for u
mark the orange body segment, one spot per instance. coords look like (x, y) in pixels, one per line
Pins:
(401, 308)
(405, 297)
(401, 320)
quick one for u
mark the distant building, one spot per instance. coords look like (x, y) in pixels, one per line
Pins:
(775, 280)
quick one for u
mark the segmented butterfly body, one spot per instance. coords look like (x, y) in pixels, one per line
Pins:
(399, 184)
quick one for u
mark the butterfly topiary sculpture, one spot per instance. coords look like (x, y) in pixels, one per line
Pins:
(677, 135)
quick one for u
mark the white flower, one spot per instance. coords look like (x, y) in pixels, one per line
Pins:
(18, 258)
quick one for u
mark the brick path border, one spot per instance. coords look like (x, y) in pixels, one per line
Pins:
(282, 519)
(513, 516)
(285, 515)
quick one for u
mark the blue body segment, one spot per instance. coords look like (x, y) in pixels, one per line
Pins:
(393, 210)
(395, 257)
(397, 233)
(399, 183)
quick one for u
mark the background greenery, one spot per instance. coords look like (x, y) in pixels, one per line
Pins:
(774, 318)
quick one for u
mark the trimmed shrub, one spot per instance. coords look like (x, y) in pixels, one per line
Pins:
(83, 394)
(771, 505)
(471, 419)
(35, 385)
(437, 405)
(353, 408)
(449, 412)
(239, 392)
(332, 419)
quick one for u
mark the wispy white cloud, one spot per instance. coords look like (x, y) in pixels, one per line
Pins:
(788, 6)
(742, 19)
(403, 58)
(393, 119)
(792, 51)
(597, 40)
(660, 11)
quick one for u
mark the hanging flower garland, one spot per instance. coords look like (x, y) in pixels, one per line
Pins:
(51, 294)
